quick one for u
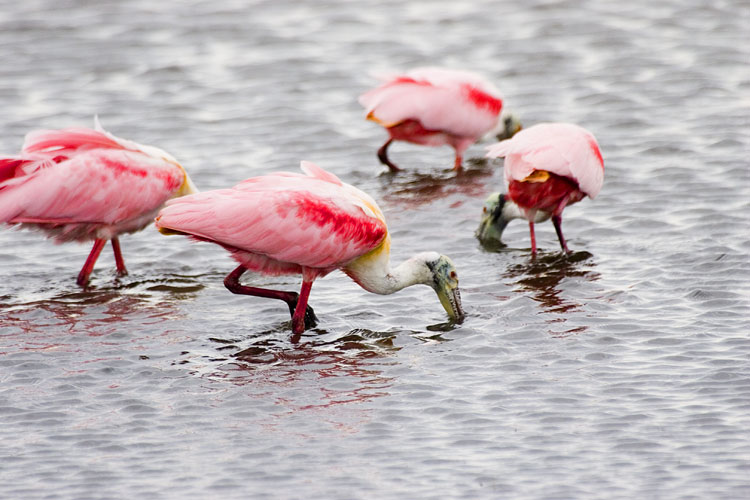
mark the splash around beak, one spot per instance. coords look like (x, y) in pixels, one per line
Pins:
(450, 298)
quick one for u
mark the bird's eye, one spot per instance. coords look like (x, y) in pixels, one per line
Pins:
(484, 210)
(453, 275)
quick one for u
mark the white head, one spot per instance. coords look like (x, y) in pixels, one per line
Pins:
(508, 126)
(494, 219)
(438, 272)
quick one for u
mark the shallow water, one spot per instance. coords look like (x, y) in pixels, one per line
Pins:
(621, 371)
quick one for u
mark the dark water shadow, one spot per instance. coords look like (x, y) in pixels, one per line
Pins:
(410, 189)
(358, 343)
(337, 369)
(273, 356)
(540, 278)
(86, 324)
(278, 345)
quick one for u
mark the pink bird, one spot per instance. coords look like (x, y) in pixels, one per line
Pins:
(79, 184)
(547, 167)
(434, 107)
(288, 223)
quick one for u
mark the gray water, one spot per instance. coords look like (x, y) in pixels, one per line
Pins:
(622, 371)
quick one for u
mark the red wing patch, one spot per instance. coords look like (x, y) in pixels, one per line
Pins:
(595, 148)
(11, 168)
(8, 168)
(171, 178)
(546, 195)
(483, 100)
(366, 231)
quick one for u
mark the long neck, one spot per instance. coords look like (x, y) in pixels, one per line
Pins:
(373, 272)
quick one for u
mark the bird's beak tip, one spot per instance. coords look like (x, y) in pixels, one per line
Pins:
(450, 298)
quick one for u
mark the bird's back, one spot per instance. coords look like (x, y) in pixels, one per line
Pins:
(313, 220)
(563, 149)
(458, 102)
(75, 183)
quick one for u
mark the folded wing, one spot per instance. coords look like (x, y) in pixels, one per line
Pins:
(561, 148)
(308, 220)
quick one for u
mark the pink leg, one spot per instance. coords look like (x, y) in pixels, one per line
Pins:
(460, 149)
(533, 238)
(83, 276)
(557, 221)
(232, 282)
(298, 318)
(121, 271)
(383, 156)
(459, 161)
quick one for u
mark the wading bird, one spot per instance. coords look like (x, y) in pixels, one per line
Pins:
(80, 184)
(437, 106)
(547, 167)
(290, 223)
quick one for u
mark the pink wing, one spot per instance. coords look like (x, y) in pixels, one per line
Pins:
(561, 148)
(307, 220)
(458, 102)
(53, 143)
(104, 186)
(67, 141)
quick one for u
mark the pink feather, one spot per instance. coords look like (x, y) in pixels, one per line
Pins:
(456, 102)
(78, 184)
(561, 148)
(283, 222)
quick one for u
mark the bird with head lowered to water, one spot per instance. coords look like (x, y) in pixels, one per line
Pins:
(437, 106)
(547, 167)
(80, 184)
(309, 224)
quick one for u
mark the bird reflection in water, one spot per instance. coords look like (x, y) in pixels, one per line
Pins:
(345, 369)
(541, 279)
(42, 322)
(411, 189)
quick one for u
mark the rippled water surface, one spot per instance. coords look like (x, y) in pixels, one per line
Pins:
(621, 371)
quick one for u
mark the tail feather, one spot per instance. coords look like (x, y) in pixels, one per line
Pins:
(169, 232)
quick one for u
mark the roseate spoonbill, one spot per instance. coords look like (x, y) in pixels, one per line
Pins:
(437, 106)
(547, 167)
(289, 223)
(79, 184)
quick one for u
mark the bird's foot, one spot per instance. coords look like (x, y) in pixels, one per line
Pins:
(391, 166)
(458, 164)
(82, 280)
(310, 319)
(299, 325)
